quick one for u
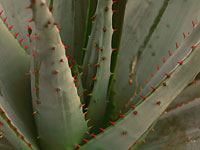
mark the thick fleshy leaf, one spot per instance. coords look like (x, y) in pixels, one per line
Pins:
(100, 48)
(141, 18)
(15, 83)
(138, 121)
(176, 130)
(70, 15)
(59, 117)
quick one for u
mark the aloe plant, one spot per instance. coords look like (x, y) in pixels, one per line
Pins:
(76, 74)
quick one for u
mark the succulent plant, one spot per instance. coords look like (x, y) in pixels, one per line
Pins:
(80, 74)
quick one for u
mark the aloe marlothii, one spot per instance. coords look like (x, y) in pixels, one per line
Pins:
(97, 59)
(178, 129)
(155, 49)
(57, 107)
(16, 103)
(55, 92)
(153, 104)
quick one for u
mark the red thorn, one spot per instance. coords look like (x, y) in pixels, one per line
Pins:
(115, 30)
(5, 19)
(35, 54)
(11, 27)
(143, 97)
(1, 124)
(180, 62)
(164, 84)
(29, 28)
(31, 20)
(99, 49)
(8, 120)
(153, 88)
(14, 128)
(158, 103)
(34, 89)
(74, 76)
(71, 66)
(147, 81)
(1, 12)
(104, 29)
(193, 47)
(124, 133)
(114, 49)
(3, 112)
(152, 74)
(82, 105)
(85, 140)
(27, 35)
(163, 59)
(85, 113)
(193, 24)
(101, 129)
(68, 57)
(27, 73)
(61, 60)
(168, 75)
(97, 64)
(21, 40)
(93, 135)
(56, 73)
(80, 95)
(75, 80)
(16, 34)
(177, 45)
(94, 79)
(26, 47)
(121, 116)
(77, 86)
(112, 122)
(114, 2)
(170, 54)
(35, 71)
(66, 47)
(92, 17)
(54, 23)
(135, 112)
(59, 29)
(184, 35)
(29, 144)
(58, 90)
(22, 137)
(158, 67)
(195, 81)
(35, 36)
(114, 11)
(132, 106)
